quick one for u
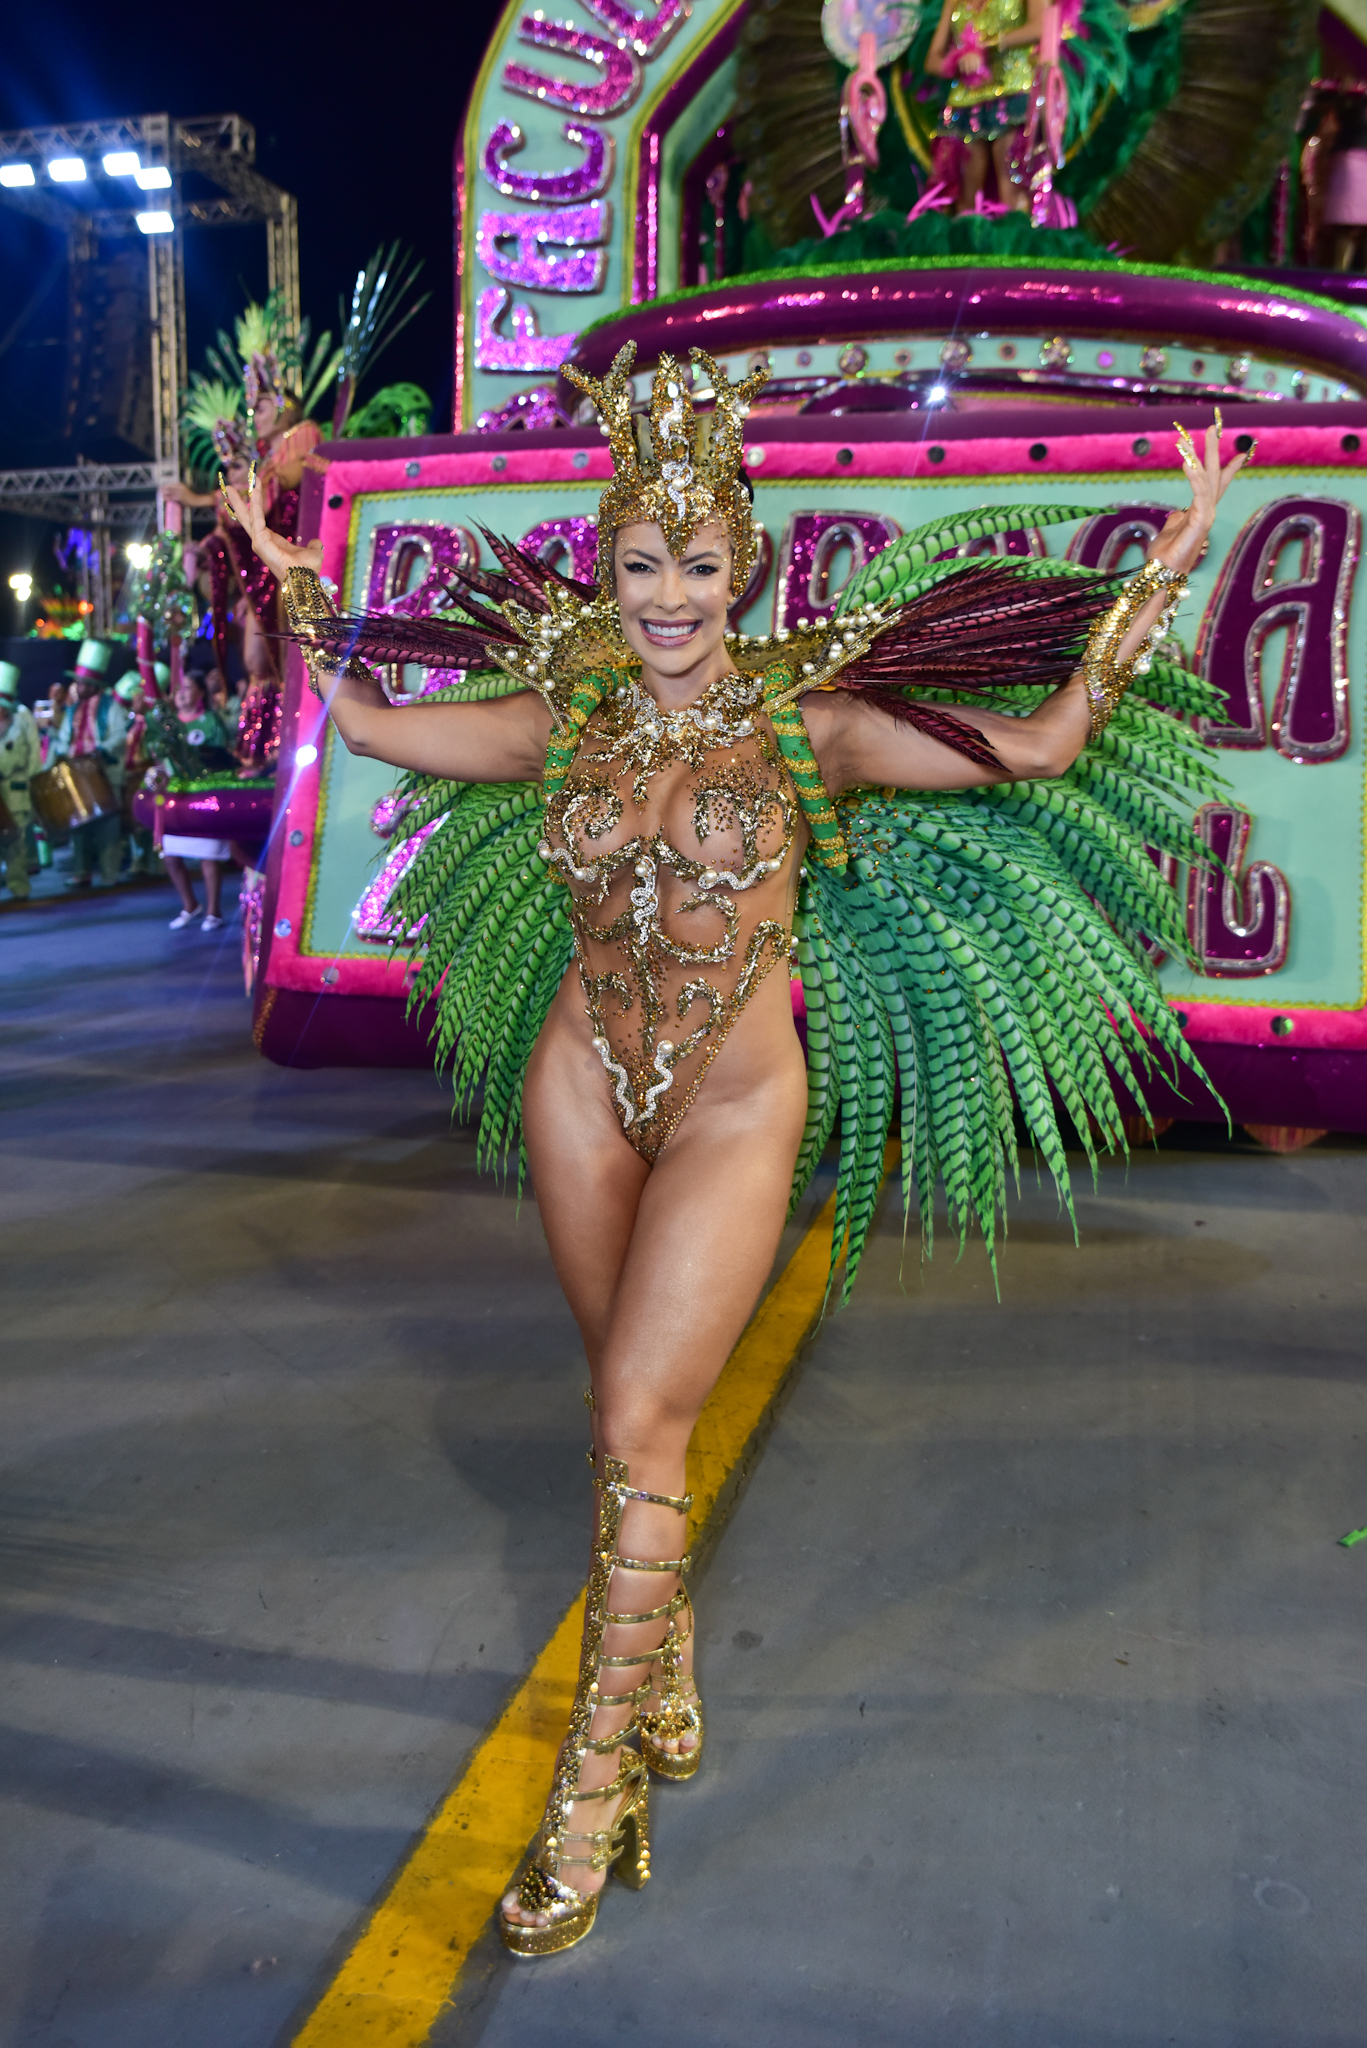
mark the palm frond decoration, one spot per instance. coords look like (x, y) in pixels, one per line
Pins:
(213, 421)
(381, 307)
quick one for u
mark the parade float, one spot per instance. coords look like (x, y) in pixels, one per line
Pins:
(725, 176)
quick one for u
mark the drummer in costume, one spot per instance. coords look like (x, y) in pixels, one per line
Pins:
(142, 856)
(627, 812)
(21, 758)
(94, 728)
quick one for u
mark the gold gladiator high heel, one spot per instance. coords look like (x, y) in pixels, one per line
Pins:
(680, 1710)
(624, 1848)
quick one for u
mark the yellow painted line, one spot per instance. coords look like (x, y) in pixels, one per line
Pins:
(394, 1983)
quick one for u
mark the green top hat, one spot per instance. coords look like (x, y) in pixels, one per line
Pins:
(127, 687)
(162, 674)
(9, 679)
(93, 660)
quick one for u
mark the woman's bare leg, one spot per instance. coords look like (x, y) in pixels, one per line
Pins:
(974, 176)
(180, 881)
(662, 1267)
(213, 884)
(1010, 194)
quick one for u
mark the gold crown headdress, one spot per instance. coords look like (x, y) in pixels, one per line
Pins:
(678, 469)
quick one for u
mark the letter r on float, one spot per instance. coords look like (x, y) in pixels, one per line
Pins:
(1309, 717)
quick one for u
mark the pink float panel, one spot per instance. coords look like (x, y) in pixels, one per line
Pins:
(1302, 454)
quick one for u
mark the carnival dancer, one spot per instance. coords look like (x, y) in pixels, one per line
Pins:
(985, 46)
(94, 722)
(661, 803)
(21, 757)
(242, 592)
(186, 738)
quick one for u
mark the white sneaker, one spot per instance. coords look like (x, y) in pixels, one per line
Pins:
(212, 923)
(182, 918)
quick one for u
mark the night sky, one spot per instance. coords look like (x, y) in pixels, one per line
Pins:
(358, 121)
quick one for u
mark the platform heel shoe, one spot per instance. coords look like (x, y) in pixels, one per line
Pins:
(622, 1848)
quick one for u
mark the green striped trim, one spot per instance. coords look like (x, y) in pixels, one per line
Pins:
(828, 847)
(588, 694)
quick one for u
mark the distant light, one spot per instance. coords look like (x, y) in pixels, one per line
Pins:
(122, 163)
(21, 583)
(937, 394)
(305, 756)
(155, 178)
(139, 553)
(66, 170)
(16, 174)
(155, 223)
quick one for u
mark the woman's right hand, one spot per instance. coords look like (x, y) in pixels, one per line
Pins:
(278, 554)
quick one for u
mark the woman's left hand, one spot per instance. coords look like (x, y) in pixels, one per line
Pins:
(1182, 541)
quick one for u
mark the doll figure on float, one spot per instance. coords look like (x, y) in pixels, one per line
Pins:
(986, 48)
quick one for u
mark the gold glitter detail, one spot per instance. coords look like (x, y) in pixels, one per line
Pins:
(678, 911)
(1105, 676)
(681, 470)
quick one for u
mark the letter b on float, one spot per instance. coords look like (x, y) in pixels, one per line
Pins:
(1309, 715)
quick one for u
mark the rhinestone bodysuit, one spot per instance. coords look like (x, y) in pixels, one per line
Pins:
(673, 831)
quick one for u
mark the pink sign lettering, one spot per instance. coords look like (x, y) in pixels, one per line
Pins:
(1239, 920)
(527, 348)
(812, 545)
(645, 35)
(1101, 541)
(569, 545)
(620, 68)
(1309, 720)
(530, 263)
(550, 188)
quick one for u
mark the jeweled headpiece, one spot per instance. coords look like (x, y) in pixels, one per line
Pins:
(678, 469)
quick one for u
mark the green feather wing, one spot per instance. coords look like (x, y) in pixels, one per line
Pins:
(490, 938)
(987, 952)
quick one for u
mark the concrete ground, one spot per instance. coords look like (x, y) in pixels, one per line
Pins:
(1035, 1676)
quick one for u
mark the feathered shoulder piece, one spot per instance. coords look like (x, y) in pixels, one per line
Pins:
(925, 616)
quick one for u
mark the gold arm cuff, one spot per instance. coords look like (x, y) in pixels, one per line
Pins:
(1106, 677)
(307, 606)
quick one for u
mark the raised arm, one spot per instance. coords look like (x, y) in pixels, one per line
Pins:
(939, 44)
(855, 743)
(502, 741)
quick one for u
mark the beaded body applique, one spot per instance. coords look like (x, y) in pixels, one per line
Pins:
(673, 832)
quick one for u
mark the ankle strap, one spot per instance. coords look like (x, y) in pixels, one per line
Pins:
(614, 1480)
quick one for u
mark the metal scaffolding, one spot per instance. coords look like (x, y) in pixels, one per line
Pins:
(102, 497)
(221, 149)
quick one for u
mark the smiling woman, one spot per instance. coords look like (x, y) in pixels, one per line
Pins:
(664, 806)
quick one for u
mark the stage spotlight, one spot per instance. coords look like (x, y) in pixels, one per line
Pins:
(21, 583)
(305, 756)
(154, 179)
(16, 174)
(66, 170)
(937, 394)
(122, 163)
(155, 223)
(139, 553)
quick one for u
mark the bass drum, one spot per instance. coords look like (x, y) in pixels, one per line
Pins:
(72, 792)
